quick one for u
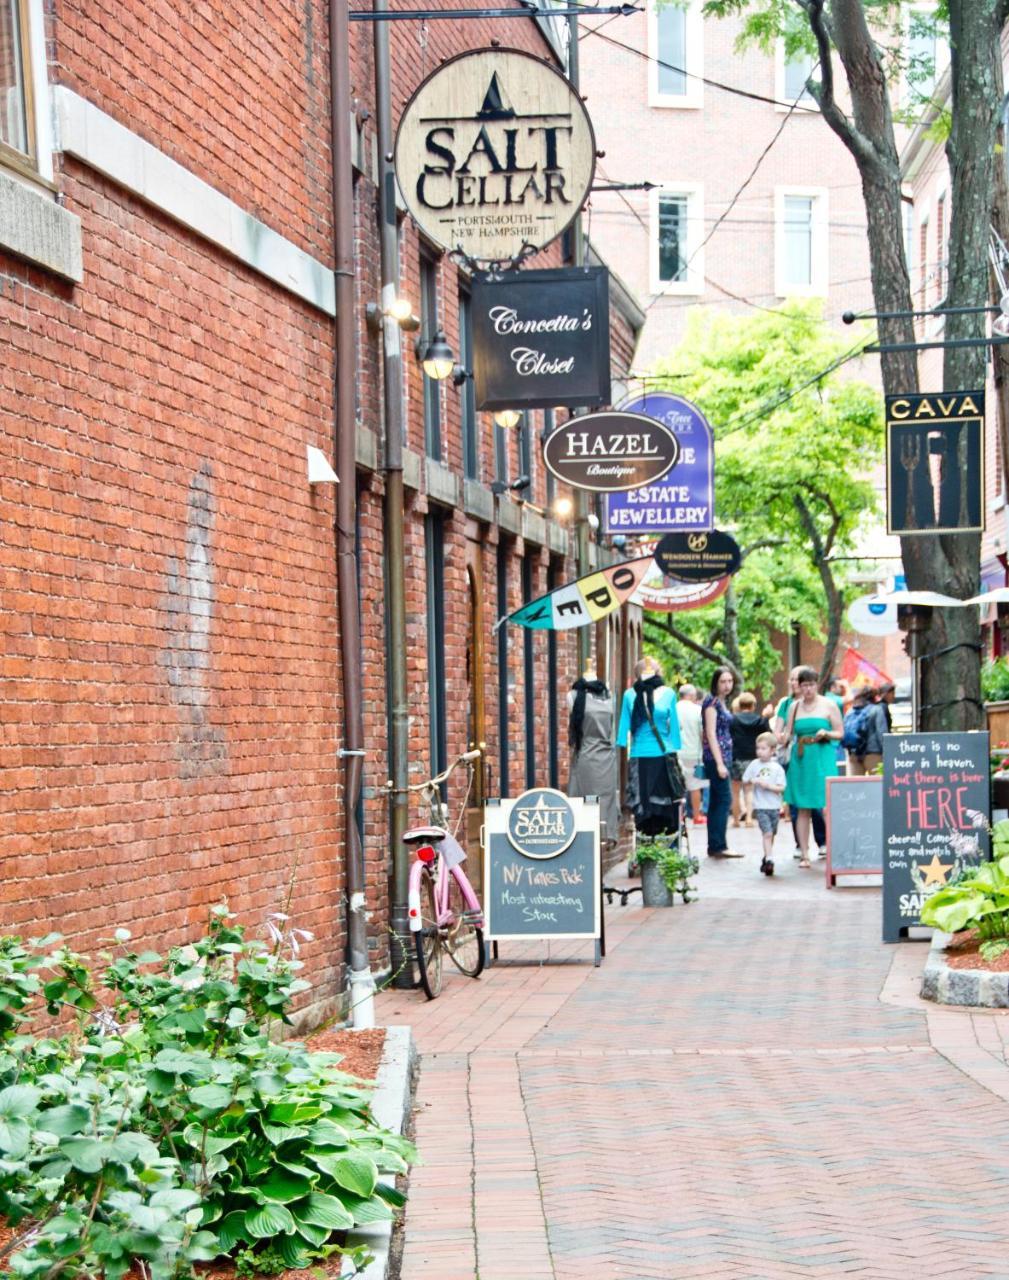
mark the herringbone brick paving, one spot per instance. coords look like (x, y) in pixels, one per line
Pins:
(727, 1096)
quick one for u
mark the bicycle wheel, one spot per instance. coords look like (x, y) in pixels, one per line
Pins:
(428, 940)
(463, 940)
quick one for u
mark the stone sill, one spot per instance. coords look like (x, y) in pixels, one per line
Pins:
(973, 988)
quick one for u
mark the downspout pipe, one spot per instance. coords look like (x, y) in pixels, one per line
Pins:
(395, 538)
(362, 985)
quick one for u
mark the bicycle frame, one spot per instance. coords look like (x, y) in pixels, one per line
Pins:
(442, 863)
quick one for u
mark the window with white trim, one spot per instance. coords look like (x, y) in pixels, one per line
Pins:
(17, 122)
(676, 53)
(926, 50)
(801, 266)
(791, 76)
(677, 221)
(26, 144)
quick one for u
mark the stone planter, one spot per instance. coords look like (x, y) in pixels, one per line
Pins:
(653, 888)
(975, 988)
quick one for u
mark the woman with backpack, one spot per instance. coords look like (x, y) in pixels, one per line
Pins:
(864, 726)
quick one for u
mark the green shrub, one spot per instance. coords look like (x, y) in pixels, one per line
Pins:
(166, 1125)
(995, 680)
(674, 866)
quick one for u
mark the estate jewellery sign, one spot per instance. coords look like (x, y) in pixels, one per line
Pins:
(603, 452)
(494, 154)
(542, 338)
(935, 463)
(680, 502)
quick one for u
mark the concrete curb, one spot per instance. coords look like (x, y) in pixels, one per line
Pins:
(974, 988)
(390, 1106)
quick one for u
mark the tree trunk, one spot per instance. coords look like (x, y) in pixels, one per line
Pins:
(730, 631)
(951, 675)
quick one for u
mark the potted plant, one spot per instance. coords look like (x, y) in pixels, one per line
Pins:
(978, 898)
(665, 871)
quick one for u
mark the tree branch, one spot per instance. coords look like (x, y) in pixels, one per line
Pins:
(696, 647)
(766, 542)
(824, 92)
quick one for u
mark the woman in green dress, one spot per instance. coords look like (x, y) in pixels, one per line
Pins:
(813, 730)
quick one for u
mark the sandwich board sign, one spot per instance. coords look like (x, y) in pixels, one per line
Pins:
(542, 876)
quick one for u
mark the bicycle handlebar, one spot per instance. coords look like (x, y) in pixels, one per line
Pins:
(467, 757)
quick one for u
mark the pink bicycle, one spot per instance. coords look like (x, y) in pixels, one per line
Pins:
(445, 914)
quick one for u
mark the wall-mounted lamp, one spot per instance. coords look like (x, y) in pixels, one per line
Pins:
(507, 418)
(436, 357)
(498, 487)
(400, 310)
(563, 508)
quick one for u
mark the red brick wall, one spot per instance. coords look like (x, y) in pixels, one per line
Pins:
(170, 653)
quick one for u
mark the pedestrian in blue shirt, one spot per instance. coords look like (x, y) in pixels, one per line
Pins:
(650, 730)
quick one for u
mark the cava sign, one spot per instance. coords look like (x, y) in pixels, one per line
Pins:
(606, 452)
(494, 154)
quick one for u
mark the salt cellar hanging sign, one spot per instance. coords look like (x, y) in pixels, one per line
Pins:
(494, 154)
(542, 338)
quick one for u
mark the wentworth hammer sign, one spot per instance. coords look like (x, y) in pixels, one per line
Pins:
(494, 154)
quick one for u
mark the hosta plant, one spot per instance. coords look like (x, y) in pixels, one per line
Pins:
(978, 898)
(166, 1126)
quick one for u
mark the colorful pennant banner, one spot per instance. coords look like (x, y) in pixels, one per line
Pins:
(586, 599)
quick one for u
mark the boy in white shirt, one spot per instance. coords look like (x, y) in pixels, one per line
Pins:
(767, 778)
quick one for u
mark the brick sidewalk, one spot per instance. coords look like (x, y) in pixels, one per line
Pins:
(727, 1096)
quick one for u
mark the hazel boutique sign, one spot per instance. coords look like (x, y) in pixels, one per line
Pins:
(542, 338)
(603, 452)
(494, 154)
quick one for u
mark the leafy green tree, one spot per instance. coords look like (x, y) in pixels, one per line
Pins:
(795, 485)
(850, 40)
(775, 589)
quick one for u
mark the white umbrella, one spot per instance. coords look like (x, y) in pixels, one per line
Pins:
(932, 599)
(999, 596)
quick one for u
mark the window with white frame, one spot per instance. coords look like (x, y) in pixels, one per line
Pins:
(677, 219)
(791, 75)
(15, 79)
(676, 53)
(25, 143)
(801, 265)
(926, 50)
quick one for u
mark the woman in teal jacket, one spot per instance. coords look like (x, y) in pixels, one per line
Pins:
(649, 727)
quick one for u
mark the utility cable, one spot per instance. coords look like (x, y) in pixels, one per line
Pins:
(690, 75)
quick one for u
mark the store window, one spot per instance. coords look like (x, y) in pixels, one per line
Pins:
(504, 680)
(676, 48)
(470, 422)
(428, 327)
(529, 672)
(434, 556)
(801, 265)
(677, 255)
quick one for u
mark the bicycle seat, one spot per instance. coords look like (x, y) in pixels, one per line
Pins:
(423, 835)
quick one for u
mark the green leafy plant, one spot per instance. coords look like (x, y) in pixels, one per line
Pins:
(675, 867)
(167, 1126)
(978, 898)
(995, 680)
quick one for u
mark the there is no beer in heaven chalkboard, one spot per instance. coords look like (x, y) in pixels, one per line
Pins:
(541, 867)
(932, 784)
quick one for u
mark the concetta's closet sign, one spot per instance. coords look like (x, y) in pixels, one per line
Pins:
(494, 154)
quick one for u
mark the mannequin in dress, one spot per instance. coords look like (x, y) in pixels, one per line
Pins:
(593, 755)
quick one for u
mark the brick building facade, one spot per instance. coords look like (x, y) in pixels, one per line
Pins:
(171, 697)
